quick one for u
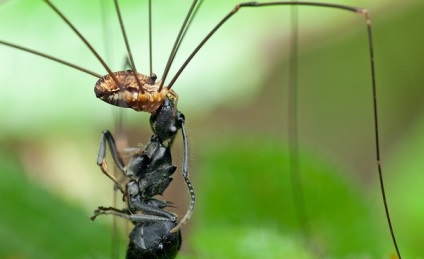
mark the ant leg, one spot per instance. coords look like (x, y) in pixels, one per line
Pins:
(151, 206)
(125, 214)
(101, 208)
(146, 208)
(101, 161)
(105, 171)
(107, 136)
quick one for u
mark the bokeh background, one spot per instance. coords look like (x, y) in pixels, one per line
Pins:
(234, 97)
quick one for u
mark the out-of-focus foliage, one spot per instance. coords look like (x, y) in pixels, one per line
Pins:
(36, 224)
(246, 202)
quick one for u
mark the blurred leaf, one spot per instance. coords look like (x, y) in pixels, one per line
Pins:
(35, 224)
(245, 189)
(405, 192)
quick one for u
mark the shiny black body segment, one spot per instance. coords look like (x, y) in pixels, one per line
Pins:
(148, 173)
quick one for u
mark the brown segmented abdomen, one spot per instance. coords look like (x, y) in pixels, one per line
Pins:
(129, 94)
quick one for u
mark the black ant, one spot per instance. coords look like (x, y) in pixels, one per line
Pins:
(156, 233)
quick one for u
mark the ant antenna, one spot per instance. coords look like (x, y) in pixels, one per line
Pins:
(190, 209)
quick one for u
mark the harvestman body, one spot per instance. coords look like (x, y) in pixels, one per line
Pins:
(144, 97)
(156, 231)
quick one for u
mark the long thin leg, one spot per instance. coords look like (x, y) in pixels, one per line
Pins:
(150, 39)
(150, 210)
(180, 39)
(124, 214)
(108, 47)
(176, 43)
(107, 136)
(292, 126)
(127, 45)
(85, 42)
(105, 171)
(362, 12)
(255, 4)
(44, 55)
(377, 139)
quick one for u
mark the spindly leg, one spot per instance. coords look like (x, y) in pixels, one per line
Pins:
(101, 158)
(145, 208)
(136, 203)
(125, 214)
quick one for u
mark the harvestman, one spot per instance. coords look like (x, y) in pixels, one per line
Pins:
(161, 86)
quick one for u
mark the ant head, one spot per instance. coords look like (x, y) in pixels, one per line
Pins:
(166, 121)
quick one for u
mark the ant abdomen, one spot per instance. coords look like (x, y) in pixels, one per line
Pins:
(153, 239)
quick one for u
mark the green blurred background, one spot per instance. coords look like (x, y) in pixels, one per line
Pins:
(234, 97)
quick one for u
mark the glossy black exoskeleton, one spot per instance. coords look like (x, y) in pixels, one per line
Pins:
(149, 172)
(153, 239)
(167, 121)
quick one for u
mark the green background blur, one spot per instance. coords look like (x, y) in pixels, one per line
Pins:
(234, 97)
